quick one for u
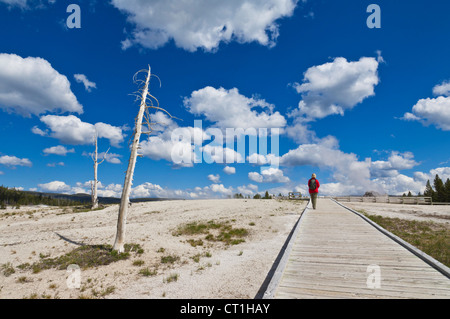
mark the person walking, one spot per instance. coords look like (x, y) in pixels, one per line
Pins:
(313, 185)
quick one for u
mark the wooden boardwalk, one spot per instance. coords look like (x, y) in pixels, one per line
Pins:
(337, 254)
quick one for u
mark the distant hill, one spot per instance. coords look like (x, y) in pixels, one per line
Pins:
(86, 198)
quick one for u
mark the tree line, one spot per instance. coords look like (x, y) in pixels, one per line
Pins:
(256, 196)
(16, 198)
(440, 192)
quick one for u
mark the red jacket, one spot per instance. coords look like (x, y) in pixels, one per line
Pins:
(317, 186)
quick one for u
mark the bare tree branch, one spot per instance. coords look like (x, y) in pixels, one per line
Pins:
(104, 156)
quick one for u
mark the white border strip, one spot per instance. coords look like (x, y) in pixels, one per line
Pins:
(276, 277)
(428, 259)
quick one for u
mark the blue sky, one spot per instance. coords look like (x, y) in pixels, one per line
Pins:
(363, 108)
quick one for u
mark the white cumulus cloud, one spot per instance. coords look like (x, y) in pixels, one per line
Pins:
(203, 23)
(55, 187)
(431, 111)
(220, 189)
(229, 170)
(346, 168)
(164, 146)
(396, 161)
(31, 86)
(337, 86)
(214, 178)
(55, 164)
(270, 175)
(58, 150)
(15, 3)
(247, 190)
(88, 85)
(230, 109)
(71, 130)
(14, 161)
(27, 4)
(442, 89)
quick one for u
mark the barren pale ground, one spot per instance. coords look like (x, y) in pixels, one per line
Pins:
(213, 270)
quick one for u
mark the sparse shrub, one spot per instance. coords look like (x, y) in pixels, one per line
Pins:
(109, 290)
(191, 229)
(7, 269)
(147, 272)
(196, 258)
(23, 280)
(169, 259)
(195, 243)
(172, 277)
(138, 262)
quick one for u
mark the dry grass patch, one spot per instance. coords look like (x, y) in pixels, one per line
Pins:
(431, 238)
(213, 231)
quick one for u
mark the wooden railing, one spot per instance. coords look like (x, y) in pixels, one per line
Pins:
(297, 195)
(386, 199)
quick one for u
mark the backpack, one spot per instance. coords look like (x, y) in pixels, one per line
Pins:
(312, 184)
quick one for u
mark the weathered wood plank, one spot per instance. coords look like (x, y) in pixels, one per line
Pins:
(334, 292)
(329, 269)
(354, 287)
(360, 279)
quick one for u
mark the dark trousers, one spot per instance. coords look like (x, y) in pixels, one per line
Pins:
(314, 199)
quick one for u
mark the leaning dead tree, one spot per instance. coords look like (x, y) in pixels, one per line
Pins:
(147, 102)
(94, 183)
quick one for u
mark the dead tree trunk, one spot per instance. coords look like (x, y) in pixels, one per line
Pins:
(94, 183)
(143, 114)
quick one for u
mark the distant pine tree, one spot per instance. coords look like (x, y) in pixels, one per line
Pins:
(429, 192)
(439, 195)
(447, 190)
